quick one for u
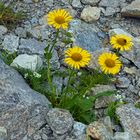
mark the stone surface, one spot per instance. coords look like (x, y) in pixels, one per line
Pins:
(132, 10)
(90, 14)
(110, 11)
(123, 82)
(40, 32)
(109, 3)
(3, 133)
(79, 129)
(122, 136)
(3, 30)
(105, 100)
(76, 4)
(21, 32)
(90, 2)
(84, 35)
(60, 121)
(30, 62)
(32, 46)
(22, 110)
(131, 70)
(97, 130)
(11, 42)
(130, 120)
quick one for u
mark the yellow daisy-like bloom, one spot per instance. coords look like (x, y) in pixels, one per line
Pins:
(76, 57)
(109, 63)
(121, 42)
(59, 18)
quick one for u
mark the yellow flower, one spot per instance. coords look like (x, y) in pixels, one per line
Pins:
(121, 42)
(59, 18)
(109, 63)
(76, 57)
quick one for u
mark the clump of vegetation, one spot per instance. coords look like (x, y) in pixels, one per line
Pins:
(75, 98)
(8, 17)
(6, 56)
(111, 111)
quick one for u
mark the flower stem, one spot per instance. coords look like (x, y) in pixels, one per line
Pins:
(70, 76)
(49, 68)
(54, 42)
(64, 94)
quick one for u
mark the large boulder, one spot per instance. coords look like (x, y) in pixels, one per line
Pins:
(22, 110)
(132, 10)
(130, 119)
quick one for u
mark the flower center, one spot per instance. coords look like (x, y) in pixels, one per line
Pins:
(59, 20)
(76, 56)
(121, 41)
(110, 63)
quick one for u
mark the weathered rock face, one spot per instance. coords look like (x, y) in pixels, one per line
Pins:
(132, 10)
(26, 115)
(11, 42)
(122, 136)
(100, 131)
(85, 35)
(22, 110)
(130, 120)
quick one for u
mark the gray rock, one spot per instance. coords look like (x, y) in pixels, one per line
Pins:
(105, 100)
(79, 129)
(109, 3)
(30, 62)
(60, 121)
(39, 32)
(132, 10)
(110, 11)
(136, 54)
(3, 133)
(21, 32)
(107, 122)
(90, 2)
(3, 30)
(123, 82)
(22, 110)
(117, 31)
(85, 35)
(130, 120)
(122, 136)
(97, 130)
(90, 14)
(32, 46)
(131, 70)
(11, 42)
(76, 4)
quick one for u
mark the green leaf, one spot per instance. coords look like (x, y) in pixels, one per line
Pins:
(67, 41)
